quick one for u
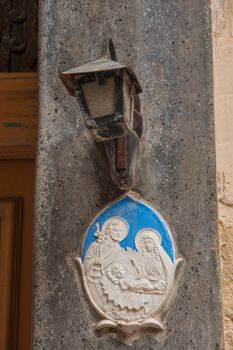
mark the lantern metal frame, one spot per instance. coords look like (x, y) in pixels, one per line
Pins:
(109, 126)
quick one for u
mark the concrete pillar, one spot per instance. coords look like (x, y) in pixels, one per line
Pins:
(169, 46)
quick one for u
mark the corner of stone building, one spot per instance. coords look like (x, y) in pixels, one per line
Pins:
(222, 34)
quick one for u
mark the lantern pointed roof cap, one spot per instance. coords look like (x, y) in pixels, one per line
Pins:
(97, 66)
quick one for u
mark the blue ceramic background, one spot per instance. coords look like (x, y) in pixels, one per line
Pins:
(139, 216)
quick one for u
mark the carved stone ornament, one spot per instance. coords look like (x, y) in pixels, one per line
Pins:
(128, 266)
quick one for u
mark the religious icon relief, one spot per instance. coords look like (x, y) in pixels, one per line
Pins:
(128, 268)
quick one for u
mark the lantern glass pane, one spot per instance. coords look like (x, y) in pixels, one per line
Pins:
(100, 97)
(128, 103)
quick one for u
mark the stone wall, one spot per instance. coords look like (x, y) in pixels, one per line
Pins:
(223, 97)
(169, 45)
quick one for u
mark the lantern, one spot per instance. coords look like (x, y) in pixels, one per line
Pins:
(105, 90)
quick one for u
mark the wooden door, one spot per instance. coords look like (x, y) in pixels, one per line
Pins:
(18, 120)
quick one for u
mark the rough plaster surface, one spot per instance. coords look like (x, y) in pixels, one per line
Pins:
(223, 97)
(169, 45)
(227, 283)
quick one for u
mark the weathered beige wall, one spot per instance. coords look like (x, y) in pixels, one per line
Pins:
(223, 91)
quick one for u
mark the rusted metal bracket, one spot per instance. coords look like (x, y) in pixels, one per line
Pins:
(122, 152)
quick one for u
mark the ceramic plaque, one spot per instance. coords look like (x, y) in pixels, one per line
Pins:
(128, 265)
